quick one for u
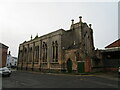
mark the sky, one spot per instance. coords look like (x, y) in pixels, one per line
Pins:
(23, 18)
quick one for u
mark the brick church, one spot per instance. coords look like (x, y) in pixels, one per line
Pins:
(61, 50)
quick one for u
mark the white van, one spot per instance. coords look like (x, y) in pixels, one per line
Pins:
(119, 70)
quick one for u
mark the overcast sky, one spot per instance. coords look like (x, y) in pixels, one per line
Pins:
(19, 20)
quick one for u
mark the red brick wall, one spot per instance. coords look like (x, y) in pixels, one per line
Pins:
(4, 56)
(88, 65)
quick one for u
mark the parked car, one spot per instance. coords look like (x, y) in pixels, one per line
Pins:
(5, 71)
(119, 70)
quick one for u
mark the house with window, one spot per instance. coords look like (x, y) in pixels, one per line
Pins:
(11, 61)
(61, 50)
(3, 54)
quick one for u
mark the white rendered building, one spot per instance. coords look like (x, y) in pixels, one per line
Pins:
(11, 61)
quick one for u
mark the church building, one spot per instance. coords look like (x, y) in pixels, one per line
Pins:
(69, 50)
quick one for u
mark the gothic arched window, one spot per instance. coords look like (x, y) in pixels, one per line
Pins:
(25, 55)
(30, 54)
(56, 52)
(37, 53)
(53, 51)
(44, 52)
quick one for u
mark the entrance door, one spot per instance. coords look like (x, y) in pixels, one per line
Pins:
(69, 65)
(81, 67)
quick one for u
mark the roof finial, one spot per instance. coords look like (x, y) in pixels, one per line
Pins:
(80, 17)
(37, 34)
(72, 21)
(31, 37)
(72, 24)
(90, 25)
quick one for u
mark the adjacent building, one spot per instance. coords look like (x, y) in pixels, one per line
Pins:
(11, 61)
(3, 54)
(61, 50)
(111, 56)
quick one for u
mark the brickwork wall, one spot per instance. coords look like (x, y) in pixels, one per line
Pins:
(4, 56)
(88, 65)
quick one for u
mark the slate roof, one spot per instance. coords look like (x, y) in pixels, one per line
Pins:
(3, 46)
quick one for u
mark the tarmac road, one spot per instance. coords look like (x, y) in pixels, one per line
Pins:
(25, 79)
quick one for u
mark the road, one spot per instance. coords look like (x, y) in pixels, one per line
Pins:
(0, 82)
(24, 79)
